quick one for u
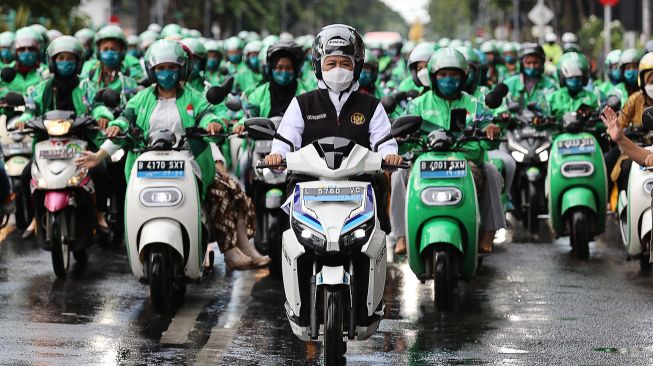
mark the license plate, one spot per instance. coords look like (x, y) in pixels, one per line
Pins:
(443, 169)
(160, 169)
(334, 194)
(576, 146)
(58, 154)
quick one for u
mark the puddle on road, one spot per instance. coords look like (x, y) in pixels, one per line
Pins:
(626, 350)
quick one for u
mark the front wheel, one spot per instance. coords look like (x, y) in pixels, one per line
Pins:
(533, 205)
(334, 349)
(443, 281)
(167, 285)
(23, 218)
(579, 233)
(58, 247)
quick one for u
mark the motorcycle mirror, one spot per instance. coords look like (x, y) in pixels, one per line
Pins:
(260, 128)
(228, 84)
(412, 94)
(234, 104)
(458, 119)
(110, 98)
(405, 126)
(216, 94)
(14, 99)
(513, 107)
(647, 119)
(389, 103)
(8, 74)
(224, 71)
(614, 102)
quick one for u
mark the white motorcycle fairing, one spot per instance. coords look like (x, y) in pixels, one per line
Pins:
(634, 208)
(54, 165)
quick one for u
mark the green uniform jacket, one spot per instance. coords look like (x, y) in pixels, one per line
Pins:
(562, 102)
(214, 78)
(545, 86)
(130, 66)
(247, 80)
(21, 83)
(193, 109)
(436, 113)
(123, 84)
(259, 101)
(308, 76)
(606, 89)
(408, 84)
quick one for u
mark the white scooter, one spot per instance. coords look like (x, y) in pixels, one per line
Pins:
(634, 204)
(334, 254)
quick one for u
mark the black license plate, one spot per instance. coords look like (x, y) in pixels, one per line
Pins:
(160, 169)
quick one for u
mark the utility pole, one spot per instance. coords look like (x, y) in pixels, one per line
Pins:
(607, 34)
(516, 31)
(646, 19)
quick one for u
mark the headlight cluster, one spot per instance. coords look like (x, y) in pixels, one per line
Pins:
(309, 237)
(441, 196)
(58, 127)
(161, 196)
(577, 169)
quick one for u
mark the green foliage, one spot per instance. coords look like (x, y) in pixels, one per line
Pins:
(590, 36)
(451, 18)
(59, 15)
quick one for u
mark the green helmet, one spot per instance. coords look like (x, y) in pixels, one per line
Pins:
(570, 47)
(134, 40)
(243, 34)
(252, 36)
(166, 51)
(455, 43)
(408, 47)
(488, 47)
(447, 58)
(444, 42)
(171, 31)
(113, 32)
(85, 35)
(509, 47)
(27, 37)
(371, 59)
(612, 58)
(147, 38)
(272, 39)
(470, 55)
(195, 46)
(233, 43)
(213, 46)
(67, 44)
(253, 47)
(42, 32)
(53, 34)
(6, 39)
(630, 56)
(571, 65)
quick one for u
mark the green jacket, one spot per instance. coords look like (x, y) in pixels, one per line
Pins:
(408, 84)
(247, 80)
(562, 102)
(606, 89)
(259, 101)
(123, 84)
(215, 78)
(42, 100)
(193, 109)
(131, 66)
(308, 76)
(21, 83)
(544, 86)
(436, 113)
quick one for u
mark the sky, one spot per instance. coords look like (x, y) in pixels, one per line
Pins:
(410, 9)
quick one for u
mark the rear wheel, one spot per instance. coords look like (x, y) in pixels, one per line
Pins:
(58, 247)
(274, 246)
(644, 259)
(579, 233)
(334, 349)
(444, 277)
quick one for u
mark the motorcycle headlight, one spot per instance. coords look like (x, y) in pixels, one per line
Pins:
(358, 236)
(577, 169)
(517, 147)
(544, 155)
(647, 186)
(441, 196)
(161, 196)
(518, 156)
(76, 179)
(308, 237)
(57, 127)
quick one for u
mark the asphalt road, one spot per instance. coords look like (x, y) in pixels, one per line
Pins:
(531, 304)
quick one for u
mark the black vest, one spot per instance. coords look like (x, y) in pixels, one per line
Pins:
(320, 119)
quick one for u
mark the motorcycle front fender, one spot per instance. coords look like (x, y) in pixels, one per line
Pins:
(578, 197)
(56, 200)
(441, 231)
(647, 224)
(161, 231)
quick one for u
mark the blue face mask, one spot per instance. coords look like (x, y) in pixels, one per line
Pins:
(630, 77)
(253, 62)
(27, 58)
(448, 86)
(134, 53)
(283, 77)
(235, 59)
(615, 76)
(365, 79)
(531, 72)
(574, 84)
(212, 63)
(166, 79)
(66, 68)
(110, 58)
(510, 59)
(6, 55)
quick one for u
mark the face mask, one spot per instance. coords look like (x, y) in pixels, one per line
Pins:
(6, 55)
(195, 72)
(365, 79)
(649, 90)
(166, 79)
(531, 72)
(283, 78)
(110, 58)
(448, 86)
(27, 58)
(615, 76)
(338, 79)
(630, 77)
(574, 84)
(66, 68)
(212, 63)
(253, 62)
(423, 77)
(510, 59)
(134, 53)
(234, 59)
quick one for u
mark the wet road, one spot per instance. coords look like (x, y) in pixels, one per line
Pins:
(532, 304)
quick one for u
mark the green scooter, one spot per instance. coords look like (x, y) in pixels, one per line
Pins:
(576, 184)
(442, 213)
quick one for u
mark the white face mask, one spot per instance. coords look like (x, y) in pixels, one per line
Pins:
(649, 90)
(423, 77)
(338, 79)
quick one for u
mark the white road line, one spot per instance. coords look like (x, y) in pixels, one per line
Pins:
(184, 320)
(225, 329)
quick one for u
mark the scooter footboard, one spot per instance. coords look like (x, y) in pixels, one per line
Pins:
(161, 231)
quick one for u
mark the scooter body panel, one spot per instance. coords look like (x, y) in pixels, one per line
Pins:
(576, 162)
(54, 162)
(182, 213)
(420, 215)
(635, 211)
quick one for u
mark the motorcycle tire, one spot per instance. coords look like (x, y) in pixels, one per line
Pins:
(532, 211)
(23, 219)
(579, 233)
(275, 246)
(161, 280)
(59, 249)
(443, 278)
(333, 327)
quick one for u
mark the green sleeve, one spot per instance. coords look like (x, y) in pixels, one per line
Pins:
(128, 115)
(206, 114)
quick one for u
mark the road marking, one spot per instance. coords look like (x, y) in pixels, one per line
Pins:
(225, 329)
(184, 320)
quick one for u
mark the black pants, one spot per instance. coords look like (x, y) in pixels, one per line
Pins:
(379, 185)
(611, 158)
(99, 175)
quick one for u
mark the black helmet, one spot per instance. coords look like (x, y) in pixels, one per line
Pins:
(338, 39)
(285, 49)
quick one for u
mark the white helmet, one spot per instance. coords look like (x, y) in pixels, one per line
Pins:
(569, 38)
(550, 37)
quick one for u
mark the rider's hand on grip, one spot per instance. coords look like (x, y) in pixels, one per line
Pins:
(214, 128)
(113, 131)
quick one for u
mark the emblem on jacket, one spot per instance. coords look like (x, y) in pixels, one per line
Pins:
(357, 119)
